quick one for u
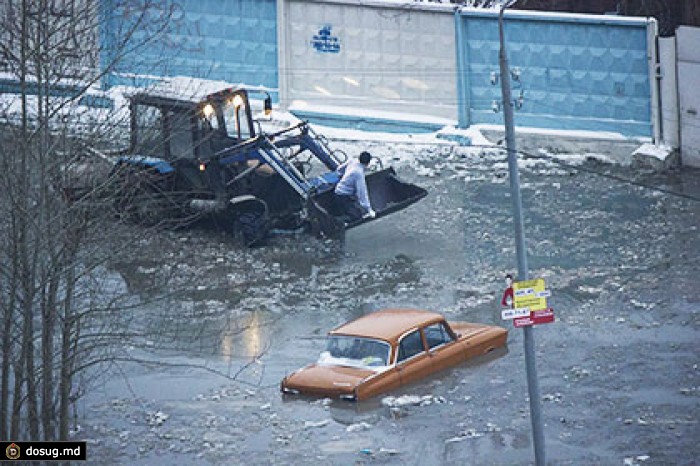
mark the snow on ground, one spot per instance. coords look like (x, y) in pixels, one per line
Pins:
(659, 152)
(575, 134)
(360, 112)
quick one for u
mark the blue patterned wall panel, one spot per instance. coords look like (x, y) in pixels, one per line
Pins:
(577, 73)
(232, 40)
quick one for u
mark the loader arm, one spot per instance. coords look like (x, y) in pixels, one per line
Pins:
(306, 142)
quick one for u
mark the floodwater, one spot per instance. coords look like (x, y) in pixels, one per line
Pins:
(618, 370)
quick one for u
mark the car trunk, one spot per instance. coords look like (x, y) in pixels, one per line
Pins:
(326, 380)
(478, 338)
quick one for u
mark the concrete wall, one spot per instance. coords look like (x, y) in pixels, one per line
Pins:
(669, 91)
(578, 72)
(231, 40)
(368, 57)
(688, 54)
(425, 62)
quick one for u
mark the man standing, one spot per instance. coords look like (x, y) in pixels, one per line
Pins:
(351, 190)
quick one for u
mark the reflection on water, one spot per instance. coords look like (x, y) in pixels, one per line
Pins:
(246, 339)
(252, 335)
(226, 346)
(349, 413)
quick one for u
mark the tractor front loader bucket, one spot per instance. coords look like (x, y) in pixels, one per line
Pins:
(387, 194)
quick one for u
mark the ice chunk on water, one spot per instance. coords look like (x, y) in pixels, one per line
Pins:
(359, 427)
(405, 400)
(411, 400)
(156, 418)
(315, 424)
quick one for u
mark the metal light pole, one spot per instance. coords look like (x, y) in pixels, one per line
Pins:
(533, 386)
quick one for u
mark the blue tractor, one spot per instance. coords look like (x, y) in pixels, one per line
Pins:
(189, 156)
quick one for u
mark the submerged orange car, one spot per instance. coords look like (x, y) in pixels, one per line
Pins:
(386, 349)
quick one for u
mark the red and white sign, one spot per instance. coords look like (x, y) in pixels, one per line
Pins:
(544, 316)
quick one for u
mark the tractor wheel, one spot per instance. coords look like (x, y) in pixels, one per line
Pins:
(322, 224)
(254, 228)
(252, 220)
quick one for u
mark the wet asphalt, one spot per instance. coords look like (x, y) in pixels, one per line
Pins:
(618, 370)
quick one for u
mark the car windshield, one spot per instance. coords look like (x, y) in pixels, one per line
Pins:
(355, 351)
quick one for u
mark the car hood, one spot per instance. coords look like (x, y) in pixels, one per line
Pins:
(326, 380)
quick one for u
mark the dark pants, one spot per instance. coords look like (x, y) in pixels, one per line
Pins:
(348, 207)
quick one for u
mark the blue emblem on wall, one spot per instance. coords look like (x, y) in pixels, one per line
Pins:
(325, 42)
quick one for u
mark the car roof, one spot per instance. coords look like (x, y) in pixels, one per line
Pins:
(388, 324)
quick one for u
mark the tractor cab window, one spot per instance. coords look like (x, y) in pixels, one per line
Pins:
(148, 131)
(209, 118)
(235, 112)
(181, 141)
(208, 128)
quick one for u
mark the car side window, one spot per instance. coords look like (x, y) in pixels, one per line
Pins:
(410, 345)
(437, 335)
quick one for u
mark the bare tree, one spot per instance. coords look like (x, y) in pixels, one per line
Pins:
(58, 314)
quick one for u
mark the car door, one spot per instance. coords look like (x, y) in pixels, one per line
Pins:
(444, 350)
(413, 362)
(380, 382)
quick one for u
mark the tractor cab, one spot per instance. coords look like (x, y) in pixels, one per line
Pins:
(226, 119)
(174, 129)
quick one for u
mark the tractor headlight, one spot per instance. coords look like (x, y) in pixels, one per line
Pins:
(237, 101)
(208, 110)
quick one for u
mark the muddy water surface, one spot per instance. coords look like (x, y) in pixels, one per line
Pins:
(618, 371)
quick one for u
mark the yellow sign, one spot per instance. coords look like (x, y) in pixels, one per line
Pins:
(530, 294)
